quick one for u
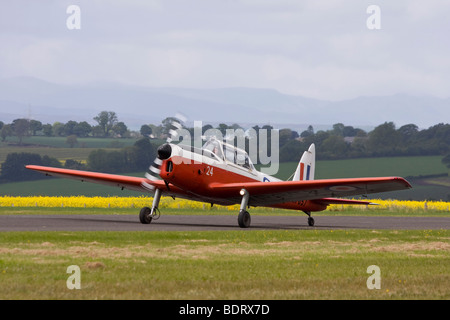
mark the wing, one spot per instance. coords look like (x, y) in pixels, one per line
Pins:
(269, 193)
(124, 182)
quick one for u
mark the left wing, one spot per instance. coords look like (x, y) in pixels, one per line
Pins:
(124, 182)
(269, 193)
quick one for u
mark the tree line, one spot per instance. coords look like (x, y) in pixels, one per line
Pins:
(385, 140)
(340, 142)
(107, 125)
(344, 142)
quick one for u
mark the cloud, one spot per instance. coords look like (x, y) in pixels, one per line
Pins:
(321, 49)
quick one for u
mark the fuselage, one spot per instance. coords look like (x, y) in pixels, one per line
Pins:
(196, 170)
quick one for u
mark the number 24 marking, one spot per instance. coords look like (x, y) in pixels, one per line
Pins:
(209, 171)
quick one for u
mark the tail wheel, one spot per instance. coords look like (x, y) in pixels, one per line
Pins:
(145, 215)
(244, 219)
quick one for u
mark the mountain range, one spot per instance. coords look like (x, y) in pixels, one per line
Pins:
(26, 97)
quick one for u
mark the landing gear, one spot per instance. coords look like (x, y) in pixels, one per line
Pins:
(244, 218)
(146, 215)
(310, 219)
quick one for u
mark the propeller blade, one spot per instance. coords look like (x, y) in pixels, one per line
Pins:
(164, 152)
(175, 125)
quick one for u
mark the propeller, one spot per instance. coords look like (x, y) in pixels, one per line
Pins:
(164, 151)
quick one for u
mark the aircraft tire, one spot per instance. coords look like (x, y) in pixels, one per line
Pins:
(244, 219)
(311, 221)
(145, 215)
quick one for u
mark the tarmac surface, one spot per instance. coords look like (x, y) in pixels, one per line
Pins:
(209, 223)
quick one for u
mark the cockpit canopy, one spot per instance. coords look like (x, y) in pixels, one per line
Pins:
(223, 151)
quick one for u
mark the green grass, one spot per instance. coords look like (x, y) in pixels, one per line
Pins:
(371, 167)
(63, 187)
(79, 154)
(345, 211)
(246, 264)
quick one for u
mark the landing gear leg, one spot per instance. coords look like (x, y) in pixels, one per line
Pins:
(310, 219)
(244, 218)
(146, 215)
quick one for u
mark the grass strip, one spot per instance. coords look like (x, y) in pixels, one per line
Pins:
(244, 264)
(223, 211)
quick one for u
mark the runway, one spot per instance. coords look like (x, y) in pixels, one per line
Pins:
(210, 223)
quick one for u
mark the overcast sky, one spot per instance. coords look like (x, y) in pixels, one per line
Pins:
(318, 48)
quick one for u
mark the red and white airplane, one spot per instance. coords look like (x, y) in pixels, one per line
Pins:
(220, 173)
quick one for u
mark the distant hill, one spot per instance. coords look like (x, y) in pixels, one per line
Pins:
(135, 105)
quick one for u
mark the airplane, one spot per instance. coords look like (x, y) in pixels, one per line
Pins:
(220, 173)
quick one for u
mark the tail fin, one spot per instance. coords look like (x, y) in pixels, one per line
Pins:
(306, 166)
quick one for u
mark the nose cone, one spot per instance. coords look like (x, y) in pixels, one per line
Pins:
(164, 151)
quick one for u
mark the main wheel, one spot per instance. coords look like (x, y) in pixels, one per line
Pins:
(145, 215)
(244, 219)
(311, 221)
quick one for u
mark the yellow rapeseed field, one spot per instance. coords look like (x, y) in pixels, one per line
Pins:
(100, 202)
(138, 202)
(406, 205)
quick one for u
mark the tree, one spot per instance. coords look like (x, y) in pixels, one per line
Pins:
(408, 132)
(82, 129)
(6, 132)
(383, 140)
(120, 129)
(72, 140)
(97, 160)
(146, 130)
(73, 164)
(206, 127)
(308, 132)
(69, 128)
(338, 129)
(108, 161)
(47, 129)
(143, 154)
(106, 121)
(35, 126)
(435, 140)
(58, 129)
(223, 129)
(20, 128)
(285, 136)
(50, 162)
(334, 147)
(13, 169)
(349, 131)
(292, 151)
(97, 131)
(446, 160)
